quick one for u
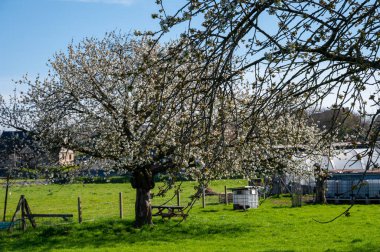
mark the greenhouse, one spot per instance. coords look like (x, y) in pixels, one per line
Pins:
(352, 159)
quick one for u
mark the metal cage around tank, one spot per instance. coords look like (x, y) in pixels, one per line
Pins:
(245, 197)
(354, 186)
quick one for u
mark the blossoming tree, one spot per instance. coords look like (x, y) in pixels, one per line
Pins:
(130, 103)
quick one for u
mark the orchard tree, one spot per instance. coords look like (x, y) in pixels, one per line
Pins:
(123, 101)
(141, 108)
(305, 49)
(110, 100)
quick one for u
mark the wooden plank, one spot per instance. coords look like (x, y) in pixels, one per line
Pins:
(167, 207)
(166, 211)
(14, 215)
(167, 215)
(23, 221)
(29, 214)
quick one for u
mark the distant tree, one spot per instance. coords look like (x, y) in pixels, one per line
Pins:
(21, 156)
(347, 125)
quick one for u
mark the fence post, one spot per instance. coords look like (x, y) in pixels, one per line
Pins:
(178, 198)
(6, 198)
(121, 204)
(79, 211)
(203, 197)
(296, 193)
(225, 195)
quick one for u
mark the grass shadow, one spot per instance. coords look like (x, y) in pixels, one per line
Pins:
(108, 233)
(281, 206)
(210, 211)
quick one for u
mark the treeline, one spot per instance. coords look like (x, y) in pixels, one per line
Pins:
(346, 124)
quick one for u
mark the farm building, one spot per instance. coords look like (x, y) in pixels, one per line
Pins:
(66, 157)
(351, 160)
(350, 180)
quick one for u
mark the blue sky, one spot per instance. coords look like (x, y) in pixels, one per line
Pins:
(31, 31)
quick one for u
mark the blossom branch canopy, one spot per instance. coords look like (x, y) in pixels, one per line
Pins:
(317, 51)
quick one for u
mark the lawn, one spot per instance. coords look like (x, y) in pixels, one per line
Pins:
(274, 226)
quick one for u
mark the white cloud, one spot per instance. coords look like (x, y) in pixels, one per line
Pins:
(120, 2)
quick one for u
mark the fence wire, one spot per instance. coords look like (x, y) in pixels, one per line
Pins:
(96, 205)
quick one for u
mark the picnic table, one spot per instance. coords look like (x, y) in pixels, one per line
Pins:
(169, 211)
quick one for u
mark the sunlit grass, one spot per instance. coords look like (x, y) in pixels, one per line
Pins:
(274, 226)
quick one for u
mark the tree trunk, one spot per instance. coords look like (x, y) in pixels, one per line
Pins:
(143, 182)
(143, 209)
(320, 184)
(320, 191)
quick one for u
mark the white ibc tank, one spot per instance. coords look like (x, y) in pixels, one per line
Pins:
(245, 197)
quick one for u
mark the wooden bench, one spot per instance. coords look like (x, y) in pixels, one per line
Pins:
(169, 211)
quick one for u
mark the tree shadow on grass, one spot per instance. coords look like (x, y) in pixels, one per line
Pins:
(367, 247)
(271, 250)
(210, 210)
(108, 233)
(282, 206)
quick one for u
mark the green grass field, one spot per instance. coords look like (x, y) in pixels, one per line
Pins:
(274, 226)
